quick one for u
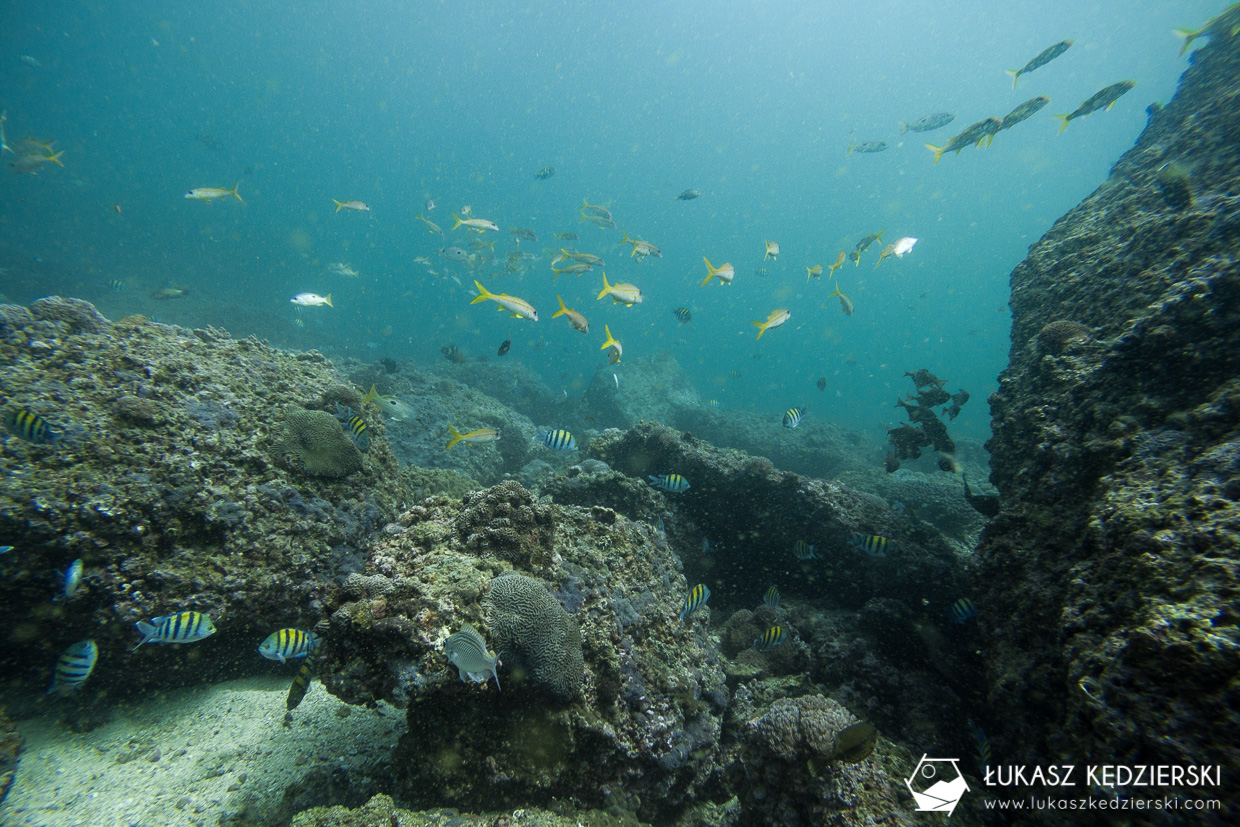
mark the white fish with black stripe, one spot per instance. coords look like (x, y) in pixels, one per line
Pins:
(182, 627)
(74, 667)
(467, 651)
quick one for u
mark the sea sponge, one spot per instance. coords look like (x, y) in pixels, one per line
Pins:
(312, 442)
(535, 636)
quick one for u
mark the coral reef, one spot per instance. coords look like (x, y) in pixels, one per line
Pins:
(10, 750)
(1112, 567)
(165, 487)
(508, 522)
(534, 636)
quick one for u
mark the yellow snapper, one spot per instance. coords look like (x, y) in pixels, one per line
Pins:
(312, 300)
(517, 308)
(430, 225)
(641, 249)
(213, 193)
(390, 405)
(622, 292)
(355, 206)
(476, 435)
(775, 319)
(896, 248)
(724, 272)
(611, 342)
(845, 303)
(478, 224)
(577, 320)
(815, 271)
(772, 250)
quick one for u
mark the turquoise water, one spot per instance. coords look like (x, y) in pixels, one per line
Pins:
(393, 104)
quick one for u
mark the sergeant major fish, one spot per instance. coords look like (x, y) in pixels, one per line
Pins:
(871, 544)
(284, 644)
(73, 667)
(771, 598)
(29, 426)
(182, 627)
(793, 417)
(669, 482)
(803, 551)
(355, 425)
(557, 439)
(769, 639)
(694, 600)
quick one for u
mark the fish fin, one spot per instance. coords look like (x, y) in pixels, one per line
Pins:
(761, 329)
(483, 293)
(457, 436)
(938, 153)
(562, 309)
(328, 299)
(233, 190)
(339, 205)
(990, 139)
(1189, 36)
(606, 287)
(708, 278)
(371, 396)
(1015, 73)
(1064, 125)
(458, 222)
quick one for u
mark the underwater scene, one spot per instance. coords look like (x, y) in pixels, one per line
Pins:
(687, 415)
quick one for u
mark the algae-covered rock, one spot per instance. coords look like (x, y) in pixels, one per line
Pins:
(533, 635)
(426, 482)
(10, 750)
(508, 522)
(312, 442)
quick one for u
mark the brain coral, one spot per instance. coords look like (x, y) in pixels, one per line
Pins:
(534, 635)
(313, 442)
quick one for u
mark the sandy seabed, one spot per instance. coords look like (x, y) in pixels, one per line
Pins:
(191, 756)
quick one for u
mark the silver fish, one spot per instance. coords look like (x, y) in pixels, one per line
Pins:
(467, 651)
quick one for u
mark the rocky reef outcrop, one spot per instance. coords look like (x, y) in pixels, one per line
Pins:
(172, 481)
(1110, 576)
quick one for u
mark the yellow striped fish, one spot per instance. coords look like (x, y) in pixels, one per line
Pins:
(769, 639)
(355, 425)
(182, 627)
(29, 426)
(557, 439)
(871, 544)
(301, 682)
(694, 600)
(288, 643)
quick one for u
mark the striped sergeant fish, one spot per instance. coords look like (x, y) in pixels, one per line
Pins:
(871, 544)
(29, 426)
(771, 598)
(301, 681)
(557, 439)
(793, 417)
(683, 315)
(694, 600)
(803, 551)
(182, 627)
(669, 482)
(769, 639)
(74, 667)
(355, 425)
(70, 582)
(963, 610)
(288, 643)
(467, 651)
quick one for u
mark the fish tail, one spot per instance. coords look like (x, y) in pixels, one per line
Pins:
(457, 436)
(55, 158)
(339, 205)
(879, 236)
(710, 271)
(483, 293)
(1189, 36)
(836, 292)
(456, 221)
(988, 140)
(562, 309)
(1015, 73)
(1064, 125)
(938, 152)
(611, 340)
(761, 328)
(606, 287)
(371, 395)
(233, 192)
(328, 299)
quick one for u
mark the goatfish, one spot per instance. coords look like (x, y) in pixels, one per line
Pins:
(284, 644)
(520, 234)
(839, 262)
(772, 250)
(213, 193)
(517, 308)
(724, 272)
(896, 248)
(620, 292)
(773, 320)
(974, 134)
(479, 224)
(476, 435)
(467, 651)
(355, 425)
(845, 303)
(312, 300)
(1103, 99)
(182, 627)
(641, 249)
(577, 320)
(871, 544)
(430, 225)
(1041, 59)
(598, 221)
(1020, 113)
(815, 271)
(928, 124)
(669, 482)
(769, 639)
(612, 343)
(355, 206)
(694, 600)
(73, 667)
(29, 426)
(557, 439)
(390, 405)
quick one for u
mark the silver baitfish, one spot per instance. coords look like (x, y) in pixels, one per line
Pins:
(557, 439)
(182, 627)
(74, 667)
(771, 598)
(694, 600)
(467, 651)
(288, 643)
(769, 639)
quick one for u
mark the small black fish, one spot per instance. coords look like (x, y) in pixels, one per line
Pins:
(544, 173)
(822, 383)
(503, 348)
